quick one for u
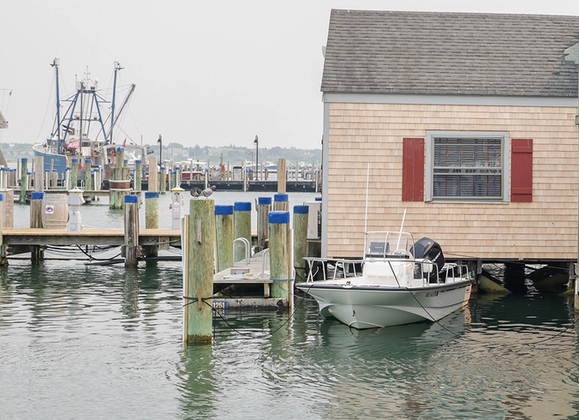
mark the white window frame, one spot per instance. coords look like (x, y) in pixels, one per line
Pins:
(429, 169)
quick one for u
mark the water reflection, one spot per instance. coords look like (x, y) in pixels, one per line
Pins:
(113, 338)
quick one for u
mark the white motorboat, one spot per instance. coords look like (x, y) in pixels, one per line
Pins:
(401, 282)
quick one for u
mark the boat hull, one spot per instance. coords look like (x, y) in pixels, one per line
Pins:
(364, 307)
(52, 161)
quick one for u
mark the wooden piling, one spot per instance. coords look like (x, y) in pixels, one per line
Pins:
(263, 209)
(119, 183)
(281, 176)
(300, 242)
(152, 185)
(279, 255)
(224, 236)
(280, 202)
(172, 179)
(138, 175)
(163, 180)
(3, 257)
(88, 182)
(74, 174)
(23, 180)
(36, 209)
(151, 210)
(8, 213)
(198, 288)
(131, 230)
(242, 228)
(38, 173)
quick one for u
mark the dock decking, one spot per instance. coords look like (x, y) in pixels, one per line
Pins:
(88, 236)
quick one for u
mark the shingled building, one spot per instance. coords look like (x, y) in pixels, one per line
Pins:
(466, 121)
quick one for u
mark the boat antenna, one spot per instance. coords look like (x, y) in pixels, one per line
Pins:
(401, 228)
(366, 209)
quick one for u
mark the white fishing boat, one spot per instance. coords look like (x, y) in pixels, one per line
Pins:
(85, 130)
(401, 282)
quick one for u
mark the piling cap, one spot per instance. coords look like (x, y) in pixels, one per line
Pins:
(131, 198)
(138, 161)
(74, 160)
(264, 200)
(88, 161)
(37, 195)
(301, 209)
(151, 194)
(120, 149)
(279, 217)
(24, 159)
(242, 206)
(1, 197)
(280, 197)
(221, 209)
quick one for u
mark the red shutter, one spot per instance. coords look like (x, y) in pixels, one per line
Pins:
(521, 170)
(413, 170)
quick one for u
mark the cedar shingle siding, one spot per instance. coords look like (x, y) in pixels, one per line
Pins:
(391, 76)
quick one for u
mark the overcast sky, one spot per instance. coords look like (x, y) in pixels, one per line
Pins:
(210, 73)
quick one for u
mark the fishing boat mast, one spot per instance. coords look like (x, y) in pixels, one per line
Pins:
(55, 64)
(118, 68)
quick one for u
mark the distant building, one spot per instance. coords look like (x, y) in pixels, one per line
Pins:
(466, 121)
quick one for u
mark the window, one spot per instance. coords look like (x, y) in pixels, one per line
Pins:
(466, 166)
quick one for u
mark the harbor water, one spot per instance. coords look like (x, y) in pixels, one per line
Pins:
(102, 342)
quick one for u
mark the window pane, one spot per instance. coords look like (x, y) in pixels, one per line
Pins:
(462, 167)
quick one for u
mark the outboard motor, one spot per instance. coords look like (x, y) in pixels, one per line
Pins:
(429, 249)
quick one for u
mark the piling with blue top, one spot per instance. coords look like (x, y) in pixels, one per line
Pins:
(281, 202)
(131, 246)
(36, 209)
(198, 281)
(280, 255)
(300, 231)
(263, 209)
(242, 228)
(224, 236)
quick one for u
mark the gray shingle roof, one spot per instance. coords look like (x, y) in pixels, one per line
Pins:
(450, 54)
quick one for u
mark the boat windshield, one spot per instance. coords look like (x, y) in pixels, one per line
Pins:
(389, 244)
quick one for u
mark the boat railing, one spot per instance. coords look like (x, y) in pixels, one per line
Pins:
(426, 270)
(346, 266)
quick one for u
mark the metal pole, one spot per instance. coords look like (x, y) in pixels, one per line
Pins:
(256, 159)
(160, 141)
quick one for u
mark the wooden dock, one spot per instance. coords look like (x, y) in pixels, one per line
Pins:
(243, 275)
(15, 237)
